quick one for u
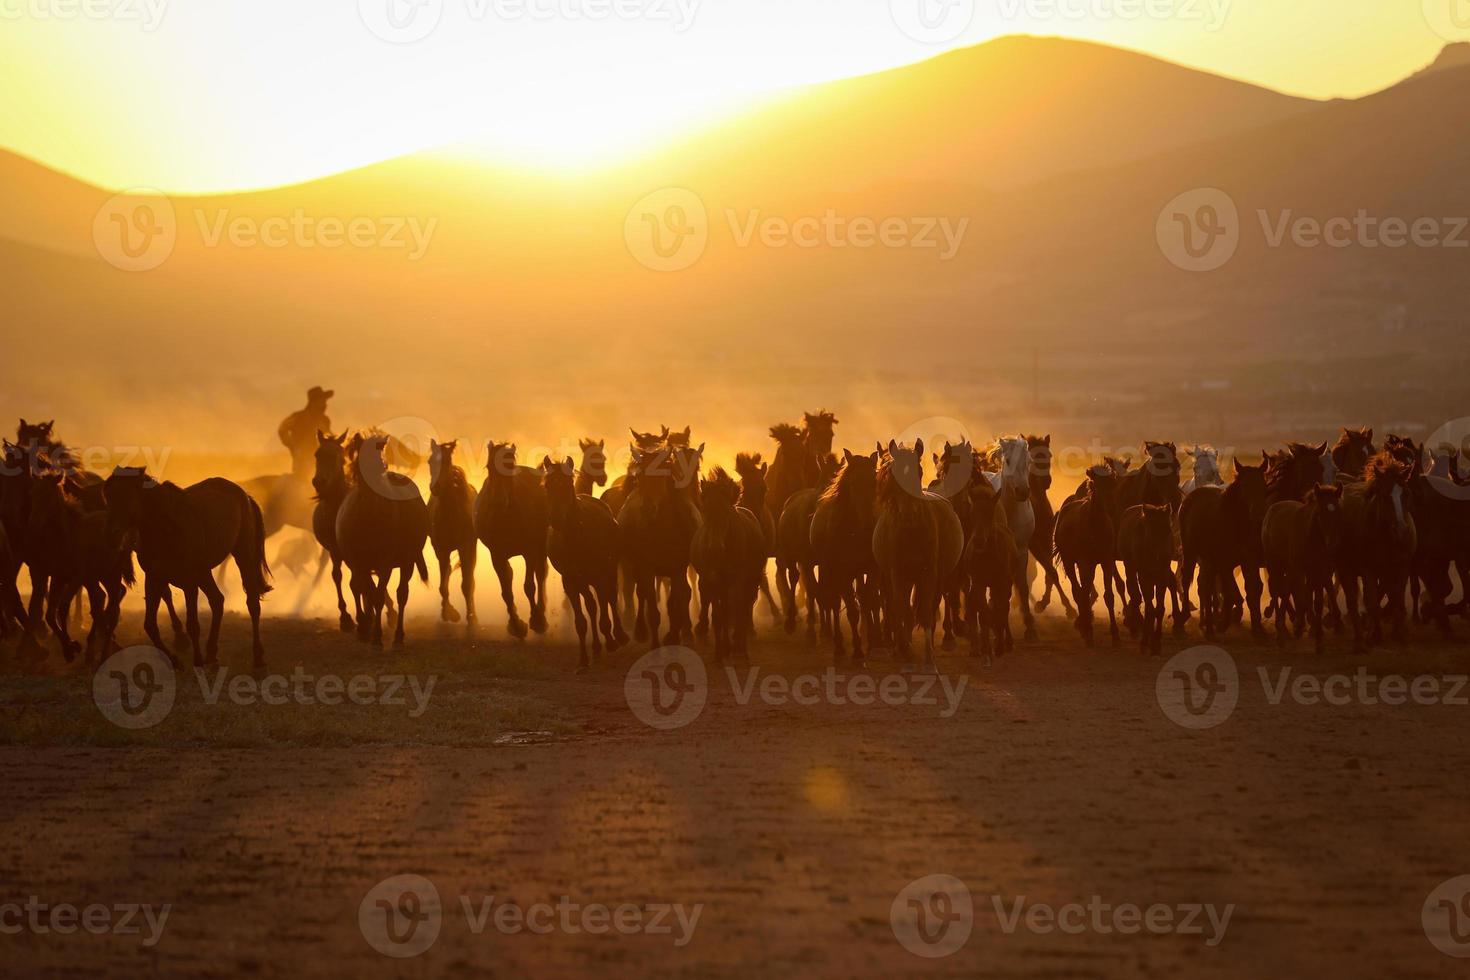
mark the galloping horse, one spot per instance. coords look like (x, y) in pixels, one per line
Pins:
(1014, 484)
(511, 518)
(840, 532)
(1046, 520)
(381, 526)
(658, 524)
(1086, 538)
(332, 481)
(729, 553)
(582, 543)
(452, 528)
(180, 535)
(917, 542)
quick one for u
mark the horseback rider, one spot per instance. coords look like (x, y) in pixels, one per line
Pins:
(298, 430)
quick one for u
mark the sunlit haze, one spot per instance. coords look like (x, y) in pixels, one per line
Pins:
(287, 91)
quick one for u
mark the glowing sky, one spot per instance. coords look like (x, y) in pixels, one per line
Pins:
(220, 94)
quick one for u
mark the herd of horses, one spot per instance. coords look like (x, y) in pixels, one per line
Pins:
(1313, 536)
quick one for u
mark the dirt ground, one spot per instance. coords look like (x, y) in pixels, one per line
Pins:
(1057, 779)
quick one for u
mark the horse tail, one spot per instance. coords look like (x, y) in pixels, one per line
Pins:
(253, 567)
(422, 566)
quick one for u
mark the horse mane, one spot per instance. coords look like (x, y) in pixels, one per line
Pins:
(820, 415)
(746, 464)
(785, 433)
(1384, 470)
(838, 489)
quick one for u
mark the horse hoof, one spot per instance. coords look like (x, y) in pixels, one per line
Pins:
(947, 644)
(538, 625)
(397, 643)
(346, 624)
(450, 614)
(516, 628)
(1030, 635)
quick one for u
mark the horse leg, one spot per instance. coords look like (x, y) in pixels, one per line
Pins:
(575, 598)
(151, 595)
(706, 603)
(405, 576)
(58, 609)
(467, 558)
(772, 609)
(679, 595)
(1082, 597)
(1318, 600)
(1023, 592)
(343, 620)
(191, 613)
(36, 619)
(648, 608)
(514, 626)
(1109, 566)
(447, 612)
(848, 597)
(216, 616)
(536, 591)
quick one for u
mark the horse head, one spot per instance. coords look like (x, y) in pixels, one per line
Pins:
(902, 469)
(441, 464)
(594, 460)
(818, 430)
(1040, 449)
(123, 492)
(1353, 450)
(331, 461)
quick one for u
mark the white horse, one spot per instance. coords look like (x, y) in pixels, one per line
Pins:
(1013, 483)
(1206, 469)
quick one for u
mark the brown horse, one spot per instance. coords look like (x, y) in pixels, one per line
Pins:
(954, 474)
(583, 544)
(592, 473)
(1041, 545)
(452, 528)
(817, 430)
(1146, 545)
(794, 468)
(511, 518)
(382, 526)
(841, 535)
(83, 558)
(1086, 539)
(332, 481)
(917, 543)
(1221, 531)
(1351, 454)
(179, 536)
(1302, 543)
(989, 563)
(1157, 481)
(752, 473)
(657, 524)
(729, 553)
(1381, 541)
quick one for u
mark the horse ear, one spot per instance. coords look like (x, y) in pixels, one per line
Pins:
(846, 455)
(892, 447)
(764, 468)
(919, 449)
(1320, 448)
(546, 463)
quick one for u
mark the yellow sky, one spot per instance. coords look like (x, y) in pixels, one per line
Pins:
(193, 95)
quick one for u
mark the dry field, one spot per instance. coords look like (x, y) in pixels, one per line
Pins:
(789, 829)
